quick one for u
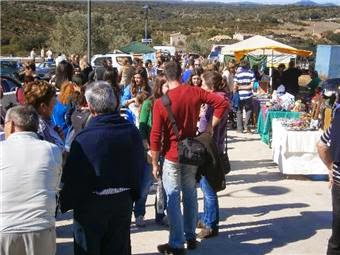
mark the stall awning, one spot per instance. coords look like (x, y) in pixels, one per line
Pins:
(260, 45)
(304, 53)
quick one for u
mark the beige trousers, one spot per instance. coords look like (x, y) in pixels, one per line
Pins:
(31, 243)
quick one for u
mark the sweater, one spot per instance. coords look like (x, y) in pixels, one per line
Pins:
(145, 120)
(108, 153)
(220, 129)
(185, 105)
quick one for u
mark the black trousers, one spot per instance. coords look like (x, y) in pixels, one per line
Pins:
(104, 227)
(334, 241)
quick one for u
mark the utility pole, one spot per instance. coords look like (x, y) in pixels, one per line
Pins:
(89, 31)
(146, 18)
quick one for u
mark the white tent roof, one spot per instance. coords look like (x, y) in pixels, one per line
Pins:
(256, 41)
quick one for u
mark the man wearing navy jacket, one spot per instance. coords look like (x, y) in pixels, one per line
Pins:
(329, 151)
(101, 177)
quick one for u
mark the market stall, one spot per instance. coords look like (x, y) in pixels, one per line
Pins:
(295, 151)
(264, 123)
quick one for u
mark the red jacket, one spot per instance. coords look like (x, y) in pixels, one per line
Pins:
(185, 104)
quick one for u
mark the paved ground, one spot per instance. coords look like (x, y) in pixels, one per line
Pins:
(261, 211)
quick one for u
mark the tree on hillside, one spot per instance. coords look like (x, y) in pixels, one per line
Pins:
(199, 45)
(70, 33)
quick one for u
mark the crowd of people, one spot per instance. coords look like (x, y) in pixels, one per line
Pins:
(98, 145)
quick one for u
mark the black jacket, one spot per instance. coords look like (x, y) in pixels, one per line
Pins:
(108, 153)
(213, 168)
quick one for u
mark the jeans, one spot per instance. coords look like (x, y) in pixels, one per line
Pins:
(147, 180)
(334, 241)
(210, 216)
(246, 104)
(176, 178)
(104, 227)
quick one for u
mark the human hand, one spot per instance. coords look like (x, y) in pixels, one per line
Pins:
(330, 179)
(156, 171)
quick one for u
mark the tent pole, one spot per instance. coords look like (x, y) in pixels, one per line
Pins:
(271, 74)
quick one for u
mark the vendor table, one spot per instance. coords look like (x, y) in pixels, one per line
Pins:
(295, 152)
(264, 122)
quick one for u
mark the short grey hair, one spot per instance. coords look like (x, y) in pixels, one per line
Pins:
(24, 117)
(100, 97)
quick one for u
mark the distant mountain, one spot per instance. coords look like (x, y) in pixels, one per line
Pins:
(311, 3)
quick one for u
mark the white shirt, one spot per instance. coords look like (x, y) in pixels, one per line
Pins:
(49, 54)
(229, 77)
(32, 54)
(30, 171)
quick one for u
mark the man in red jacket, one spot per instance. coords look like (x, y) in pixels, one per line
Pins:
(185, 104)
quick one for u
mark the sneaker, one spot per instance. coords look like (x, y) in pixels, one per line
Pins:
(191, 244)
(200, 224)
(167, 249)
(207, 233)
(140, 221)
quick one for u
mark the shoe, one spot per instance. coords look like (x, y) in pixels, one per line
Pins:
(140, 221)
(200, 224)
(249, 131)
(191, 244)
(207, 233)
(167, 249)
(163, 222)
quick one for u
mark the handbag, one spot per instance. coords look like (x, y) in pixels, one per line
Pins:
(190, 151)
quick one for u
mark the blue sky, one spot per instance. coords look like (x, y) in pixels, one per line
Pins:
(272, 1)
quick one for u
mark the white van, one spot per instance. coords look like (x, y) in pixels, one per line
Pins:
(116, 59)
(169, 49)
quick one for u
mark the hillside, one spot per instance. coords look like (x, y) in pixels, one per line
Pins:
(25, 25)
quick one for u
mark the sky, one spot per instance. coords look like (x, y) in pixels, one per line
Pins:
(272, 1)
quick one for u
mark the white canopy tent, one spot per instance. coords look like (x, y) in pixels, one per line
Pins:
(263, 47)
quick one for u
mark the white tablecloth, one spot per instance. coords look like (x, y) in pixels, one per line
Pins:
(295, 151)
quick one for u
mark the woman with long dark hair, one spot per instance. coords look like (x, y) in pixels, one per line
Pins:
(145, 124)
(195, 77)
(63, 73)
(212, 82)
(131, 99)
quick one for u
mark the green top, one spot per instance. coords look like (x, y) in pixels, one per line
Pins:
(145, 120)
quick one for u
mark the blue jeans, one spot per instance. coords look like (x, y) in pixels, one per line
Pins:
(210, 215)
(176, 178)
(147, 180)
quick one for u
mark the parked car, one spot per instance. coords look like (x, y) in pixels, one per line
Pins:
(116, 59)
(46, 70)
(10, 68)
(8, 83)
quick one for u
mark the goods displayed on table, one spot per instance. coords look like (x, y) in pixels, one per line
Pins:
(304, 123)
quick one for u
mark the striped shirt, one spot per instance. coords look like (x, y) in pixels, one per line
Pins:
(244, 77)
(325, 138)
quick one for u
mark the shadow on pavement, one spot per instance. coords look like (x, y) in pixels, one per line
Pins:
(261, 237)
(257, 211)
(264, 176)
(251, 164)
